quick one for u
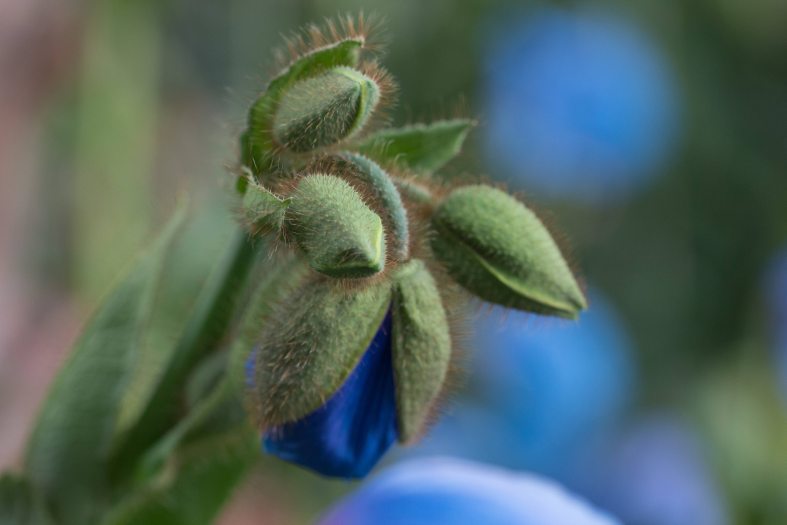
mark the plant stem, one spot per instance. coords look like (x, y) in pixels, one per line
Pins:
(207, 328)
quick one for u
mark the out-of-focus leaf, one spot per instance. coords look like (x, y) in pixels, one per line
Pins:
(20, 504)
(421, 148)
(67, 453)
(194, 486)
(212, 319)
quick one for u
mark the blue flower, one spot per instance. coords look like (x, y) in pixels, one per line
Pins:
(580, 105)
(654, 473)
(348, 435)
(455, 492)
(545, 389)
(776, 296)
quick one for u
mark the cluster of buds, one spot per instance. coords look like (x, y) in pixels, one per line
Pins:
(357, 354)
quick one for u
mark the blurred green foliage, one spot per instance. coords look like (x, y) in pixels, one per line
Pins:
(159, 93)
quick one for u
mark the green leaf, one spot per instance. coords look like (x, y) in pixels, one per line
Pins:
(20, 504)
(421, 347)
(263, 211)
(498, 249)
(257, 144)
(211, 321)
(67, 453)
(194, 486)
(422, 148)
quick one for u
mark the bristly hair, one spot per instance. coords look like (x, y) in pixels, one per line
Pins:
(365, 29)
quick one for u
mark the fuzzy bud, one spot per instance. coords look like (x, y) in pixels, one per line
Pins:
(324, 110)
(312, 344)
(498, 249)
(421, 347)
(339, 234)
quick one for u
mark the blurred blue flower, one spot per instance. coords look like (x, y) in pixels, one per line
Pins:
(348, 435)
(655, 474)
(454, 492)
(580, 105)
(546, 388)
(776, 297)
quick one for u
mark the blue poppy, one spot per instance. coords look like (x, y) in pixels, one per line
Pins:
(348, 435)
(654, 473)
(457, 492)
(580, 105)
(776, 296)
(545, 389)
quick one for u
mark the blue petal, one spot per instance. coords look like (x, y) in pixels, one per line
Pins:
(457, 492)
(348, 435)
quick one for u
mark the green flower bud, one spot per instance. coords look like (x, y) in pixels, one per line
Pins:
(383, 191)
(421, 347)
(324, 110)
(339, 234)
(498, 249)
(312, 344)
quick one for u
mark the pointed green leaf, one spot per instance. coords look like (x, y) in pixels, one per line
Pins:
(311, 345)
(422, 148)
(67, 452)
(211, 320)
(498, 249)
(257, 145)
(421, 347)
(263, 211)
(339, 234)
(20, 503)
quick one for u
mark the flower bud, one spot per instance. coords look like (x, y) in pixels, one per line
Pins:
(324, 110)
(312, 344)
(339, 234)
(498, 249)
(421, 347)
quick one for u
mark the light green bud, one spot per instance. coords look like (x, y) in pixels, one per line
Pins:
(339, 234)
(421, 347)
(324, 110)
(498, 249)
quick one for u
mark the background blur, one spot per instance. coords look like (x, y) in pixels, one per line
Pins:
(652, 134)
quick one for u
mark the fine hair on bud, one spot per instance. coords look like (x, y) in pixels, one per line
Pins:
(323, 110)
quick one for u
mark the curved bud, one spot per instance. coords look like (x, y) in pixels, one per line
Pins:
(383, 191)
(499, 250)
(421, 347)
(340, 235)
(312, 344)
(325, 109)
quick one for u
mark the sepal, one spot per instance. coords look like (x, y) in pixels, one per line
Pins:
(339, 234)
(421, 349)
(499, 250)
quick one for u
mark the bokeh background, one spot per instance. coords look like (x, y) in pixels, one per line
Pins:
(652, 134)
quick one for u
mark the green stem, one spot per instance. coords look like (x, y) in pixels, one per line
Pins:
(207, 328)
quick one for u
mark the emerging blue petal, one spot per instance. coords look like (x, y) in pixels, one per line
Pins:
(348, 435)
(458, 492)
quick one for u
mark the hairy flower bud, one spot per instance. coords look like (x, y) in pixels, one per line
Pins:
(324, 110)
(312, 344)
(498, 249)
(340, 235)
(421, 347)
